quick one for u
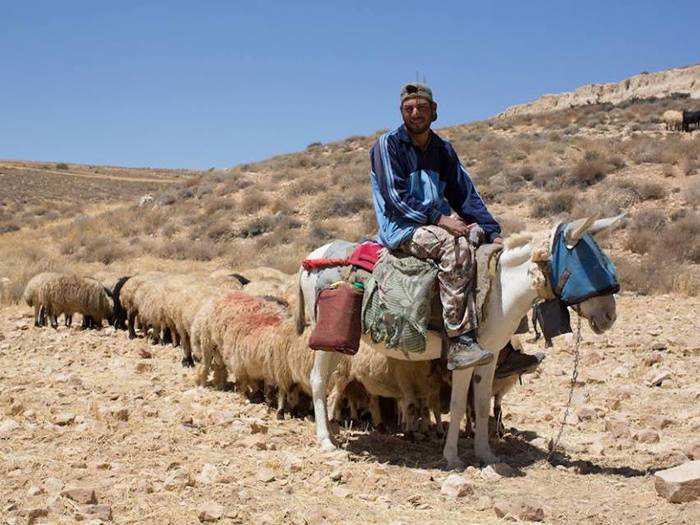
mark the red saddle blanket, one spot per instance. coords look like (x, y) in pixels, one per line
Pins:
(365, 256)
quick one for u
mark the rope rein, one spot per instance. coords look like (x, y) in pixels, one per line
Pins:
(554, 443)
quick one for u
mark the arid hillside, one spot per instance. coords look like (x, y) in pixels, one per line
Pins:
(531, 169)
(679, 81)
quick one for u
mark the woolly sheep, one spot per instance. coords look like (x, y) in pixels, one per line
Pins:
(31, 295)
(69, 294)
(673, 120)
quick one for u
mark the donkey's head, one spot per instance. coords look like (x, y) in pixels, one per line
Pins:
(577, 271)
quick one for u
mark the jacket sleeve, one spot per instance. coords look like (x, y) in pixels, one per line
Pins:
(465, 200)
(393, 184)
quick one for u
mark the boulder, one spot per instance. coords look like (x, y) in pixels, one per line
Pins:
(456, 486)
(679, 484)
(519, 509)
(210, 511)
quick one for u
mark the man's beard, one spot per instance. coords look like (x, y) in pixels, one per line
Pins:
(417, 130)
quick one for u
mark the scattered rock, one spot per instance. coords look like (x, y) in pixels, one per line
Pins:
(178, 479)
(657, 378)
(102, 512)
(53, 485)
(120, 413)
(258, 427)
(15, 409)
(483, 503)
(34, 514)
(456, 486)
(679, 484)
(661, 422)
(145, 354)
(498, 471)
(208, 475)
(35, 491)
(658, 346)
(585, 413)
(592, 358)
(80, 494)
(618, 428)
(693, 450)
(341, 492)
(647, 436)
(266, 475)
(7, 427)
(210, 511)
(65, 418)
(142, 367)
(653, 358)
(519, 509)
(336, 475)
(596, 376)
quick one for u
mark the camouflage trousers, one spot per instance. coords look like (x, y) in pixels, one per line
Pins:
(456, 274)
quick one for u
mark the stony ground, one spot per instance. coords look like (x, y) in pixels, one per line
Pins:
(93, 411)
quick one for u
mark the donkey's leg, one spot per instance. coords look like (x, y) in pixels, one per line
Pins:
(483, 382)
(324, 364)
(458, 407)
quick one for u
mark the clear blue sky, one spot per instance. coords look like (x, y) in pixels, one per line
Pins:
(215, 83)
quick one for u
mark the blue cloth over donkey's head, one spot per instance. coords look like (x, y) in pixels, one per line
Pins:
(581, 271)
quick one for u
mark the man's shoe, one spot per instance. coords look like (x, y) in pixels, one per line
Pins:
(518, 363)
(464, 352)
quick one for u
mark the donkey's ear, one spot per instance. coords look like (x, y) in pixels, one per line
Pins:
(607, 223)
(576, 229)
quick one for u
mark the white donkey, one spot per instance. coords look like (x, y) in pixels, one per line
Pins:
(521, 279)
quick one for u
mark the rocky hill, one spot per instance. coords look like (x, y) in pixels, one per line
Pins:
(683, 81)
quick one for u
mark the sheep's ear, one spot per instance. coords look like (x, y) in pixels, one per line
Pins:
(576, 229)
(607, 223)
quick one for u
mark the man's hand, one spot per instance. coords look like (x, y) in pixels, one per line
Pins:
(455, 225)
(497, 240)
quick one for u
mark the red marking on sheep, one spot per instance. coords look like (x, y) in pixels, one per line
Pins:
(249, 311)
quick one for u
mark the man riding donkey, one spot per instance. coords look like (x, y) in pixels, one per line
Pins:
(417, 180)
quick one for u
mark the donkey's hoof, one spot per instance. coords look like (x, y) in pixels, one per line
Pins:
(327, 445)
(455, 464)
(488, 458)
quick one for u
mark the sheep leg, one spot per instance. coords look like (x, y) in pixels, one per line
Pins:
(458, 408)
(37, 315)
(187, 360)
(132, 324)
(375, 411)
(483, 382)
(281, 396)
(68, 319)
(324, 364)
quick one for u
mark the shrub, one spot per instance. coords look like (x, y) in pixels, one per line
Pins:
(253, 200)
(553, 204)
(549, 178)
(61, 166)
(340, 205)
(257, 226)
(681, 239)
(588, 172)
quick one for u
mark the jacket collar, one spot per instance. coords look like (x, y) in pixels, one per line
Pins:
(403, 135)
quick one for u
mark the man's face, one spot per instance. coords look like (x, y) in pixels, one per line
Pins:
(417, 115)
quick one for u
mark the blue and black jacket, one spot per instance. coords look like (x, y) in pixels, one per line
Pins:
(411, 188)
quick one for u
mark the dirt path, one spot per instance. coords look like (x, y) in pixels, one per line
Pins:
(87, 409)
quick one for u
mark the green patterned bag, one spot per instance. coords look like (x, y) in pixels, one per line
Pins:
(397, 301)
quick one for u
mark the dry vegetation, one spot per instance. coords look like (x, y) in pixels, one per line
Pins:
(531, 169)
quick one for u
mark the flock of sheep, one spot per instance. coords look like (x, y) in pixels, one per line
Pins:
(681, 120)
(244, 330)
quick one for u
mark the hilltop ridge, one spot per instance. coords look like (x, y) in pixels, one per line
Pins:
(669, 82)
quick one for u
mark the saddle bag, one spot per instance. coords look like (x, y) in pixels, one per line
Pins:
(338, 324)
